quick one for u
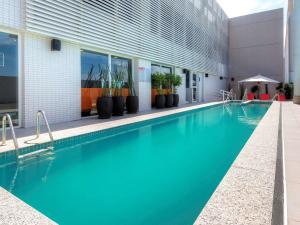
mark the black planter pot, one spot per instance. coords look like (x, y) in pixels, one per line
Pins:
(175, 99)
(118, 105)
(160, 101)
(86, 113)
(132, 104)
(169, 101)
(104, 107)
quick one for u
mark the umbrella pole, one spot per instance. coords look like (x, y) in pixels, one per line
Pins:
(267, 88)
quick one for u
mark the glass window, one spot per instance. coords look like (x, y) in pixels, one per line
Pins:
(9, 76)
(194, 80)
(126, 64)
(166, 70)
(91, 64)
(187, 79)
(155, 68)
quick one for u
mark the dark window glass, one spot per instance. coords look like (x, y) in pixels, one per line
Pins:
(91, 63)
(124, 64)
(155, 68)
(194, 80)
(9, 76)
(160, 69)
(187, 78)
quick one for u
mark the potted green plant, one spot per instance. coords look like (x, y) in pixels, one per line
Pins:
(288, 90)
(132, 100)
(157, 82)
(117, 86)
(177, 81)
(285, 89)
(254, 90)
(104, 102)
(168, 83)
(86, 85)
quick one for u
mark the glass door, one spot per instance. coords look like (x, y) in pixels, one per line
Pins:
(194, 87)
(9, 76)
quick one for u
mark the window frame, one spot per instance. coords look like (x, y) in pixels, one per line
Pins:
(19, 75)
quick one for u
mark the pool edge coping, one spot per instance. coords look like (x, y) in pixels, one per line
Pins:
(232, 201)
(90, 128)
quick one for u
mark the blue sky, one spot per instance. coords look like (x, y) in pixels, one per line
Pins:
(235, 8)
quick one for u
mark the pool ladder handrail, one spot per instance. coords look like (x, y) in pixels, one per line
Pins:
(38, 125)
(227, 95)
(38, 132)
(244, 99)
(13, 134)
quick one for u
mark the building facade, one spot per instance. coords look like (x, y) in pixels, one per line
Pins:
(256, 46)
(186, 37)
(293, 47)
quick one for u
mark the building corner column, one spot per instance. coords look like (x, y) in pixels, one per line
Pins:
(295, 37)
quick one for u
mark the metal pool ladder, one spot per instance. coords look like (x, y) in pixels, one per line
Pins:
(13, 134)
(38, 132)
(38, 125)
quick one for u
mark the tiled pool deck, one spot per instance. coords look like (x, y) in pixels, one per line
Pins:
(245, 195)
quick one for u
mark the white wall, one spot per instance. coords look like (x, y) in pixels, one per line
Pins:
(12, 13)
(142, 79)
(51, 81)
(212, 86)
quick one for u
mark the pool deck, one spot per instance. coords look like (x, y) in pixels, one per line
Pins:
(291, 149)
(246, 194)
(13, 211)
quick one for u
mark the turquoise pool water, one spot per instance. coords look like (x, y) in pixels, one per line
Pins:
(160, 172)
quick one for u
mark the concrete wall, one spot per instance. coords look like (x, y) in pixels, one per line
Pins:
(295, 49)
(256, 46)
(212, 86)
(51, 81)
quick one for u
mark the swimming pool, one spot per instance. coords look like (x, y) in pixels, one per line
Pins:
(158, 172)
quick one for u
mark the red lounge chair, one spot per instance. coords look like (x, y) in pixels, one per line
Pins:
(264, 97)
(250, 96)
(281, 98)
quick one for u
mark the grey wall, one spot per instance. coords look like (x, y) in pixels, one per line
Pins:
(256, 46)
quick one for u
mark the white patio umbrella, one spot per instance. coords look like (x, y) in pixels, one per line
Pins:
(258, 79)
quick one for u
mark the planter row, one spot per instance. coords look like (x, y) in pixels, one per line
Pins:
(108, 106)
(166, 101)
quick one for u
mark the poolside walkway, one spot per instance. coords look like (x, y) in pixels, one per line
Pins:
(26, 136)
(246, 194)
(291, 147)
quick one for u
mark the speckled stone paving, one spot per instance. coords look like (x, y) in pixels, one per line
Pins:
(291, 146)
(245, 195)
(13, 211)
